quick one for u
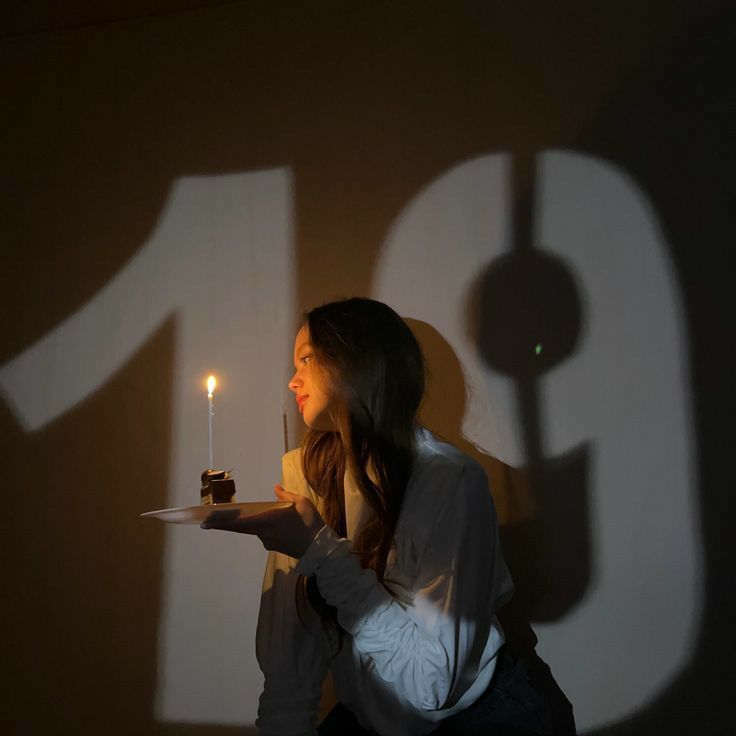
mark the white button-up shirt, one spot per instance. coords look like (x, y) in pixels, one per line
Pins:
(419, 647)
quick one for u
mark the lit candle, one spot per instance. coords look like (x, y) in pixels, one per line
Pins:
(211, 383)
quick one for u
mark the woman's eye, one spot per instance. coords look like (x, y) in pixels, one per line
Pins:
(305, 358)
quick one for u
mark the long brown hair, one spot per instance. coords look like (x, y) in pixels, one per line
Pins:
(370, 361)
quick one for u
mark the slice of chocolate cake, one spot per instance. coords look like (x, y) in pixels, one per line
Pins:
(217, 487)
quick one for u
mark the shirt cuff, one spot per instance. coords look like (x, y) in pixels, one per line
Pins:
(324, 543)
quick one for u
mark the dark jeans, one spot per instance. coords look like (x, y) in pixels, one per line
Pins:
(522, 700)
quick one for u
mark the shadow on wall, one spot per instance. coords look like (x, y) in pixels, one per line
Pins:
(551, 551)
(545, 542)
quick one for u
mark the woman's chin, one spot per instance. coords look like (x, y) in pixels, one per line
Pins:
(319, 424)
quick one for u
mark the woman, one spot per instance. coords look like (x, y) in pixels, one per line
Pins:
(387, 569)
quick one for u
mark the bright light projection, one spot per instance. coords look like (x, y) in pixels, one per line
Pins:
(232, 233)
(625, 391)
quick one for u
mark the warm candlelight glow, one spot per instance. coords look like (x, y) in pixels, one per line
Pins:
(211, 383)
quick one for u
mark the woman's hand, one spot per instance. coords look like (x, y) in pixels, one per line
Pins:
(289, 530)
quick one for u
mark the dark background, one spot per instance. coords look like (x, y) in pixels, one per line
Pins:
(105, 103)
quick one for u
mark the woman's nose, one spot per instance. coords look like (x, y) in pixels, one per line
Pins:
(295, 382)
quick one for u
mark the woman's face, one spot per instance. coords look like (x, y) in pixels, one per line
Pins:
(315, 402)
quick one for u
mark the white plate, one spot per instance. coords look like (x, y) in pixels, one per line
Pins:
(198, 514)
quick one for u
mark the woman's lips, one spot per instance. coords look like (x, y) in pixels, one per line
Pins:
(300, 400)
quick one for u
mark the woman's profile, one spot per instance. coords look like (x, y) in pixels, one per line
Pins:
(388, 569)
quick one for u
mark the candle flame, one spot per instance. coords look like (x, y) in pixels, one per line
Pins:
(211, 383)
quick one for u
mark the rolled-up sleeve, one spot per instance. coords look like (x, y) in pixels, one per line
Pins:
(430, 652)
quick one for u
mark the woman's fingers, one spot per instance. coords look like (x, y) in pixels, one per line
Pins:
(285, 495)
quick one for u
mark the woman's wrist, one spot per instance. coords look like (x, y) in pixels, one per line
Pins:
(325, 541)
